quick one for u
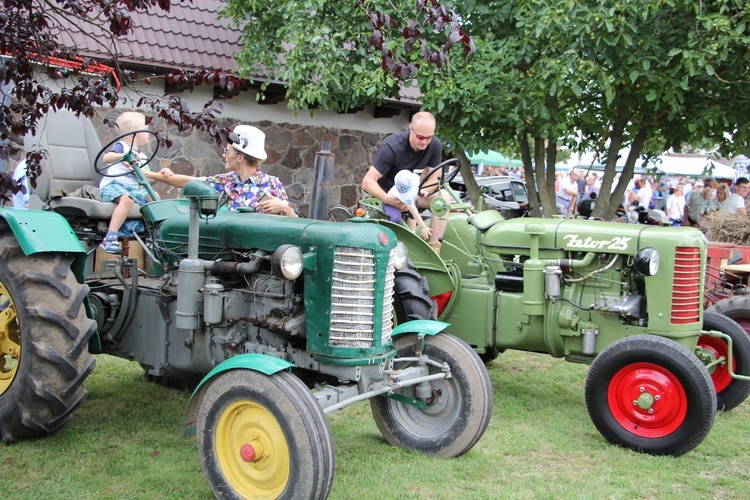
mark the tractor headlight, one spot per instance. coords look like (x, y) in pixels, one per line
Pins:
(287, 262)
(400, 256)
(647, 261)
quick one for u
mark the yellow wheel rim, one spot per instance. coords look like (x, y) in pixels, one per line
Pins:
(10, 340)
(252, 451)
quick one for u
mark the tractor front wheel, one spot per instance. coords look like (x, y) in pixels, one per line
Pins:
(44, 336)
(457, 412)
(730, 392)
(650, 394)
(264, 436)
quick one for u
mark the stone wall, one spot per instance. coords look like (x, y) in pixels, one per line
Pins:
(291, 152)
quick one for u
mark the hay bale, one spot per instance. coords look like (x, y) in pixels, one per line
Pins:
(727, 228)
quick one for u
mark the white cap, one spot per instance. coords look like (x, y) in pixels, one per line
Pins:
(252, 141)
(407, 186)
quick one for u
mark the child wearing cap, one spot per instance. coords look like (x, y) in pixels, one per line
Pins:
(406, 189)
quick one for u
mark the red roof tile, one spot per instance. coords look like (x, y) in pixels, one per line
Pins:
(189, 37)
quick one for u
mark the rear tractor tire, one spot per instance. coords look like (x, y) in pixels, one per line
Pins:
(411, 296)
(730, 392)
(737, 308)
(650, 394)
(457, 413)
(264, 436)
(44, 336)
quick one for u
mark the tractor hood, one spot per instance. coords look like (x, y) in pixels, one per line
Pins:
(511, 236)
(232, 231)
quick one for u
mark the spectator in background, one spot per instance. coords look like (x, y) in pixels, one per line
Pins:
(676, 206)
(581, 183)
(735, 204)
(722, 194)
(568, 193)
(645, 194)
(658, 198)
(693, 202)
(709, 204)
(687, 187)
(21, 199)
(591, 187)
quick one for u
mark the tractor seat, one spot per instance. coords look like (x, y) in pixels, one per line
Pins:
(71, 144)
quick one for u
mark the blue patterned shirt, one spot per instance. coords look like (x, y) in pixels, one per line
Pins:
(248, 193)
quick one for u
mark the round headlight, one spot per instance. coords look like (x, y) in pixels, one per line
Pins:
(400, 255)
(287, 262)
(647, 261)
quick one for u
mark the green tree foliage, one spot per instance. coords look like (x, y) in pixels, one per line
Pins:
(587, 75)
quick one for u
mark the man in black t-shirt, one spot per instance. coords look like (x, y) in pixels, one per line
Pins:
(415, 149)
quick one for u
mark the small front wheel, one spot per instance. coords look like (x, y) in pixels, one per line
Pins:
(650, 394)
(262, 436)
(458, 411)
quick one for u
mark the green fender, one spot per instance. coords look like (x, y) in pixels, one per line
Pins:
(425, 260)
(41, 231)
(424, 326)
(262, 363)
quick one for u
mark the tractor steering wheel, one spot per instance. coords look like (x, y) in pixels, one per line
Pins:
(445, 176)
(103, 169)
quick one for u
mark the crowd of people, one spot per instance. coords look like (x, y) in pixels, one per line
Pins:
(685, 201)
(503, 171)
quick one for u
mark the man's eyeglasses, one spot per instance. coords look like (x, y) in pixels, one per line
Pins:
(422, 137)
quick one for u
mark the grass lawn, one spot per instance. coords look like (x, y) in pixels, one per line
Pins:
(126, 442)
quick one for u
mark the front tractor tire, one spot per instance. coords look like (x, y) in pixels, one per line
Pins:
(730, 392)
(44, 336)
(457, 413)
(264, 436)
(650, 394)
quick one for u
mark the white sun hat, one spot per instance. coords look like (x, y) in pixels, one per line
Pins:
(407, 185)
(252, 141)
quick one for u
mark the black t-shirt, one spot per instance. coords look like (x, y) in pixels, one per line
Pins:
(395, 154)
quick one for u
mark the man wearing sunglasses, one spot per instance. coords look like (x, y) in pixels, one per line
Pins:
(415, 149)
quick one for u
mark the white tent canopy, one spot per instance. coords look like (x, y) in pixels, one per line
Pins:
(688, 166)
(693, 167)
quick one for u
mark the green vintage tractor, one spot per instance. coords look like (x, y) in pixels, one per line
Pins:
(288, 319)
(625, 298)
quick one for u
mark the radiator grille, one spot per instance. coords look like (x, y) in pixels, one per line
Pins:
(353, 298)
(686, 286)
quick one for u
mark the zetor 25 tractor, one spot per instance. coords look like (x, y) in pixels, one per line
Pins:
(268, 307)
(625, 298)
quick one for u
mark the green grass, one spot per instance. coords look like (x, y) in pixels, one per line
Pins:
(126, 442)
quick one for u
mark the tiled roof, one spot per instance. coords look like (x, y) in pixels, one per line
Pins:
(190, 36)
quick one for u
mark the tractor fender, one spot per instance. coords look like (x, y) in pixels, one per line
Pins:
(40, 231)
(423, 257)
(262, 363)
(423, 326)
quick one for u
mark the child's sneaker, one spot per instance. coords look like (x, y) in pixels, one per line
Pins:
(110, 245)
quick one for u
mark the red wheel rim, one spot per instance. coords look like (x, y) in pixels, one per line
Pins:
(647, 400)
(717, 348)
